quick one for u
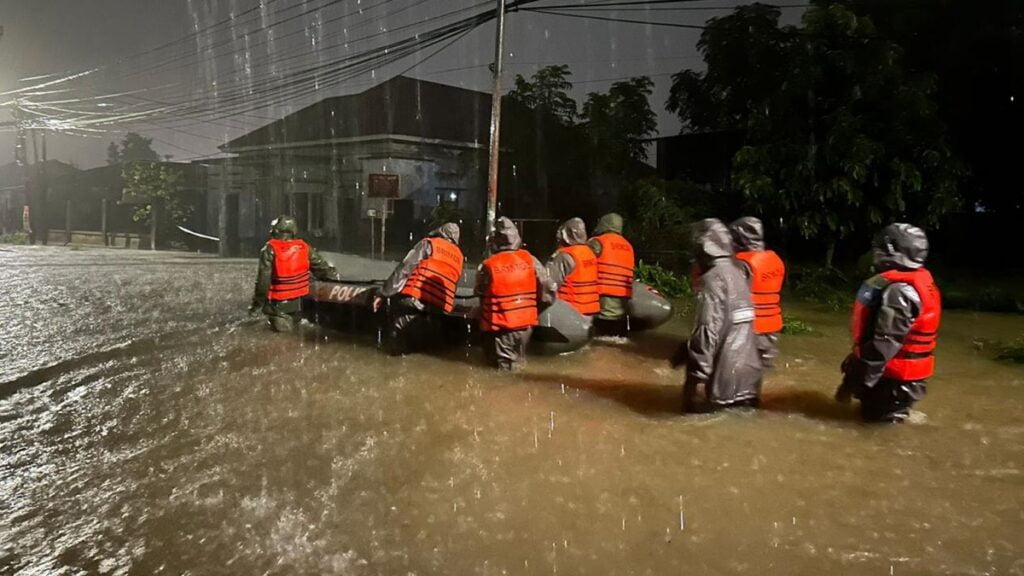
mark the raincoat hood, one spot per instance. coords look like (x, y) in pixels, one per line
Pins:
(747, 234)
(900, 246)
(712, 241)
(609, 223)
(449, 231)
(505, 236)
(572, 231)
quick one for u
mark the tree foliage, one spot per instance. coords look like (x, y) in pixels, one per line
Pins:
(134, 148)
(149, 184)
(618, 122)
(840, 136)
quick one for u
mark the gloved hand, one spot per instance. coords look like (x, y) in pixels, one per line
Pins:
(845, 391)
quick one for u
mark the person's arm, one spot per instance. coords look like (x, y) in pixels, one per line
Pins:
(595, 246)
(704, 341)
(898, 310)
(560, 266)
(483, 280)
(394, 284)
(263, 273)
(545, 287)
(320, 267)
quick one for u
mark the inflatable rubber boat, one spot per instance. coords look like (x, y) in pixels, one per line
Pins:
(561, 329)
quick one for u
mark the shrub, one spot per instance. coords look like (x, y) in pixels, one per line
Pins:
(663, 280)
(792, 326)
(16, 238)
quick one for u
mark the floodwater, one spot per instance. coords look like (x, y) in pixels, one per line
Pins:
(148, 427)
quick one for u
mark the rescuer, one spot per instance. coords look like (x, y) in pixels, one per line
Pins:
(573, 268)
(615, 267)
(283, 275)
(895, 326)
(420, 288)
(721, 355)
(765, 272)
(511, 284)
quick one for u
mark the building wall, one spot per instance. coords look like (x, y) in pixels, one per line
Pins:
(327, 189)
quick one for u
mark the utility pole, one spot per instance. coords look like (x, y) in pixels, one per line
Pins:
(492, 168)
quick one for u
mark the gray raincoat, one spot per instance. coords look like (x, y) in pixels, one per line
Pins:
(572, 231)
(410, 328)
(722, 354)
(507, 349)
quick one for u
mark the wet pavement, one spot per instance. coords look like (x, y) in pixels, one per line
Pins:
(149, 427)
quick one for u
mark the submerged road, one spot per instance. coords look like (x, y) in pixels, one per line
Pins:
(148, 427)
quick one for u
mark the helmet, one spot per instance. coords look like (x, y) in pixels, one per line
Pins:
(284, 225)
(900, 246)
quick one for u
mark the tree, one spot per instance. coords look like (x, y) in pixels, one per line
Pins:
(840, 136)
(134, 148)
(619, 122)
(547, 92)
(151, 185)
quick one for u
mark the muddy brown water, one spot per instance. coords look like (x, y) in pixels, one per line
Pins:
(147, 427)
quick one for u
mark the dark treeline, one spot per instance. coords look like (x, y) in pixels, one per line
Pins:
(864, 113)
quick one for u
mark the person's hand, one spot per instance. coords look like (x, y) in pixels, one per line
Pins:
(845, 366)
(377, 303)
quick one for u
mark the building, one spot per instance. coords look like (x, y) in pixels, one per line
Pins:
(355, 169)
(16, 197)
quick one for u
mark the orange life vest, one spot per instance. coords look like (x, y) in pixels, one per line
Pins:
(916, 359)
(434, 280)
(615, 266)
(510, 302)
(766, 275)
(579, 289)
(289, 277)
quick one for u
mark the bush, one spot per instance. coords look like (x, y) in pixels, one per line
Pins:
(792, 326)
(821, 286)
(1012, 351)
(16, 238)
(663, 280)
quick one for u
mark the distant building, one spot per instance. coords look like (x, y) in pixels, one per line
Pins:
(16, 187)
(401, 148)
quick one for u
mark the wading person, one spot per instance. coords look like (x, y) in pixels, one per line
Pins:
(765, 272)
(895, 326)
(573, 268)
(511, 284)
(283, 275)
(721, 355)
(421, 287)
(615, 268)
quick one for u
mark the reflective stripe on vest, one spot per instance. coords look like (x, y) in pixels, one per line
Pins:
(579, 289)
(916, 358)
(767, 273)
(289, 277)
(435, 278)
(510, 302)
(615, 266)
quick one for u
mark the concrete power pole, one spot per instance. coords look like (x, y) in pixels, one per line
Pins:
(492, 168)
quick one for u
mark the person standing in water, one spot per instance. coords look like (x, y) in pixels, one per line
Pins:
(573, 268)
(721, 355)
(765, 273)
(282, 278)
(895, 326)
(511, 284)
(615, 270)
(423, 284)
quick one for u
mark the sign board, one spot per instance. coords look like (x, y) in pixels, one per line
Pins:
(383, 186)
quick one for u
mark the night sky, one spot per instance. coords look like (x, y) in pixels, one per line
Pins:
(65, 36)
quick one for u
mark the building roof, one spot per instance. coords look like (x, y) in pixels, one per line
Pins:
(400, 106)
